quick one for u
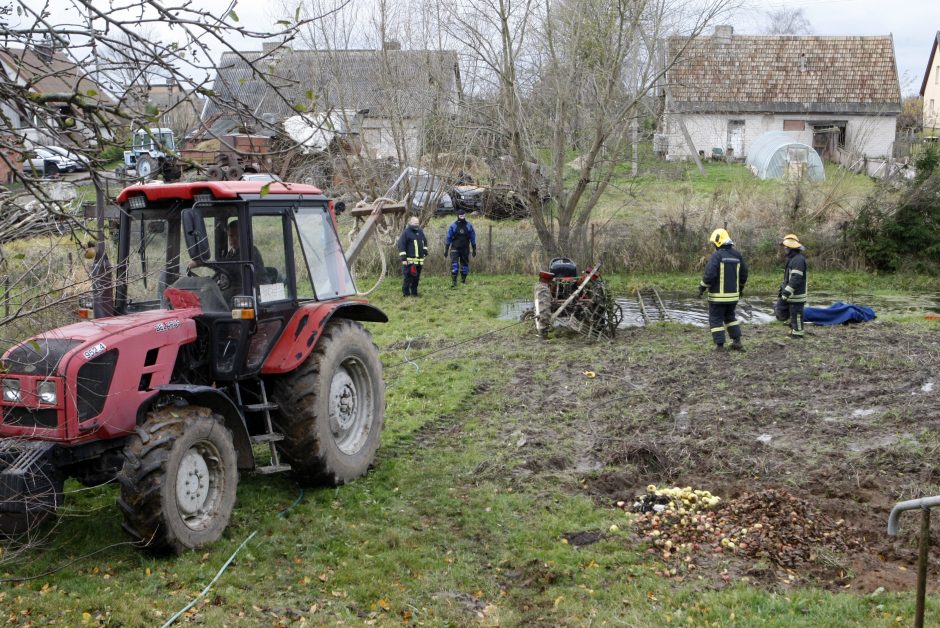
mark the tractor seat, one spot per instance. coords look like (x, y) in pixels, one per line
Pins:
(563, 267)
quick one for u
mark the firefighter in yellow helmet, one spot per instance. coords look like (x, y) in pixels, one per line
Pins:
(724, 279)
(792, 296)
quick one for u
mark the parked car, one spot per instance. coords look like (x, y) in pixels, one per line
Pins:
(420, 188)
(468, 197)
(43, 163)
(82, 162)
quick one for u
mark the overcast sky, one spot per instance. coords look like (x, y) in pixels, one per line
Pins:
(912, 23)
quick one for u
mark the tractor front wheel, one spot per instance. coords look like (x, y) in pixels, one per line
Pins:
(146, 167)
(179, 479)
(332, 407)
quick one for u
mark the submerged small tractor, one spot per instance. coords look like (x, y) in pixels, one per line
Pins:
(228, 341)
(581, 303)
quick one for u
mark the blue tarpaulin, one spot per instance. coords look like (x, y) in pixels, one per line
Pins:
(838, 313)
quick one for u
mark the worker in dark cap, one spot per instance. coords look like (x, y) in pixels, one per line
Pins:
(461, 243)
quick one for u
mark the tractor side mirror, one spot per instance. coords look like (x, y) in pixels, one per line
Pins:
(339, 207)
(194, 230)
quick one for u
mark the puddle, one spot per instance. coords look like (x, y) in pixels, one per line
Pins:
(755, 310)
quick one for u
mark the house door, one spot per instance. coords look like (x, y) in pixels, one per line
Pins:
(827, 139)
(735, 148)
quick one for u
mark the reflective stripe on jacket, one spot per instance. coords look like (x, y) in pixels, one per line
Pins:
(725, 275)
(412, 245)
(794, 277)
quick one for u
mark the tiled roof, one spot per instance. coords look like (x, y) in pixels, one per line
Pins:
(785, 74)
(57, 75)
(390, 83)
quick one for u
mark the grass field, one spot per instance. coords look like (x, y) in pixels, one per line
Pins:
(493, 499)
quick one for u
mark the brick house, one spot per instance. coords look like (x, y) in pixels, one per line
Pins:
(839, 95)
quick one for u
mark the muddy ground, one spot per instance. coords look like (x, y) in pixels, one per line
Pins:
(846, 422)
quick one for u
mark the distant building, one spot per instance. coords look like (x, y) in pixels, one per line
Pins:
(930, 91)
(839, 95)
(45, 71)
(394, 92)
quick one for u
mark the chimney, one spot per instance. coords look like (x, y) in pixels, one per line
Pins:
(723, 34)
(391, 44)
(45, 50)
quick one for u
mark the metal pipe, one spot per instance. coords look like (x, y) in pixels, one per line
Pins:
(922, 568)
(924, 504)
(913, 504)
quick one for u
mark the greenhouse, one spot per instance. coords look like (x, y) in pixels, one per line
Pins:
(777, 155)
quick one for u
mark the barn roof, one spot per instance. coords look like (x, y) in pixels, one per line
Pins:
(389, 83)
(785, 74)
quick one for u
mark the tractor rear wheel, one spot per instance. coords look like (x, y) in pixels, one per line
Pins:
(179, 479)
(332, 407)
(543, 308)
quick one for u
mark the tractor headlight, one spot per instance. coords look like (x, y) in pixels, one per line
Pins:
(46, 392)
(11, 390)
(138, 201)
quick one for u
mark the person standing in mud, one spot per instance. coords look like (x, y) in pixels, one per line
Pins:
(792, 295)
(724, 279)
(412, 249)
(460, 240)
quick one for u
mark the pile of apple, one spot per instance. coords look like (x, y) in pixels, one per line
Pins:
(774, 525)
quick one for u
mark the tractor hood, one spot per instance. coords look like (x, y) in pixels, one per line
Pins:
(42, 355)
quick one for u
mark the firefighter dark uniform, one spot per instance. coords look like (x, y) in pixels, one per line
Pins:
(460, 240)
(412, 249)
(792, 295)
(724, 279)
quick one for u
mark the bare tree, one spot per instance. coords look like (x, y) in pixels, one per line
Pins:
(787, 21)
(71, 69)
(567, 79)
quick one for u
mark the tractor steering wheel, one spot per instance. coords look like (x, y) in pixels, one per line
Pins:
(222, 278)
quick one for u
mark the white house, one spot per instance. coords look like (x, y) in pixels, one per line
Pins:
(839, 95)
(930, 92)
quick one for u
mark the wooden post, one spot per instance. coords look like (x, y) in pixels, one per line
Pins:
(489, 244)
(6, 296)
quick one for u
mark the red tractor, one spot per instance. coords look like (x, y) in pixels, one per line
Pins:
(581, 303)
(229, 341)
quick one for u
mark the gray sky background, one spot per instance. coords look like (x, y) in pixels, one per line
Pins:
(912, 23)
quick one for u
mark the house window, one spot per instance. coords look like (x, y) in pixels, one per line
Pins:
(794, 125)
(931, 106)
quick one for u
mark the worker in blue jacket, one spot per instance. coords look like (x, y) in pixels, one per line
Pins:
(792, 295)
(724, 279)
(461, 241)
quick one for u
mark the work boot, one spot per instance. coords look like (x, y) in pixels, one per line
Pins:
(719, 347)
(795, 336)
(736, 345)
(453, 281)
(463, 279)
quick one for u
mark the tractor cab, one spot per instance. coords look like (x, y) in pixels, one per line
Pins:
(248, 260)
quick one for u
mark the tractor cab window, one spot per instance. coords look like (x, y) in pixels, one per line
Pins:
(221, 277)
(321, 268)
(153, 257)
(267, 234)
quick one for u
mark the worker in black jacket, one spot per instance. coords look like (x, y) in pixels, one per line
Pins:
(792, 295)
(724, 279)
(412, 249)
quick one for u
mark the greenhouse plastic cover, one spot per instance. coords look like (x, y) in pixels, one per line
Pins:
(768, 157)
